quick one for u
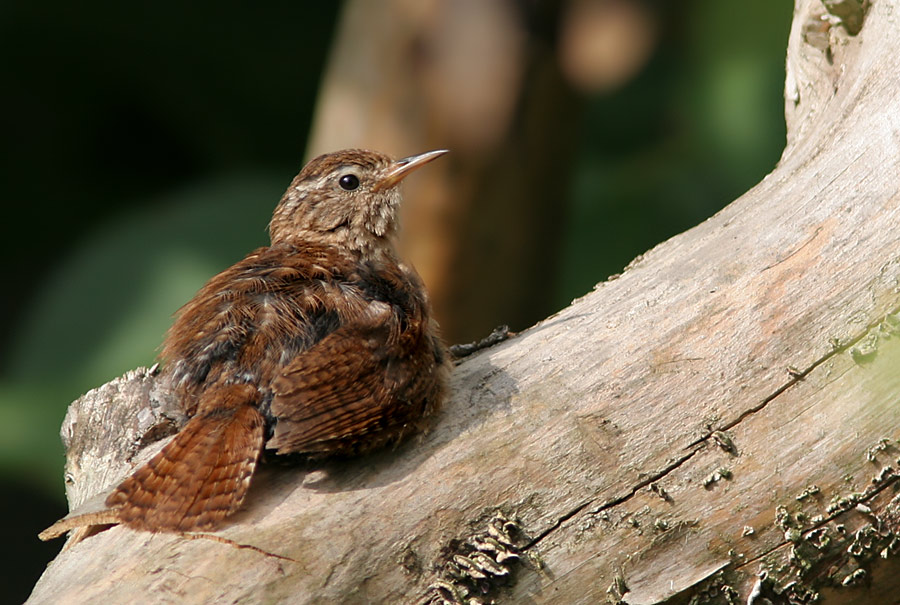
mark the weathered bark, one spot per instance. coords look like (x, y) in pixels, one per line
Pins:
(727, 406)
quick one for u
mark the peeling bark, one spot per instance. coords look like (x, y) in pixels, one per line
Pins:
(718, 424)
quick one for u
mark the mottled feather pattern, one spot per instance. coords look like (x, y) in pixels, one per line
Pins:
(320, 344)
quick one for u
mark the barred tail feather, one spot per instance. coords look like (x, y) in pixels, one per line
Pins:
(198, 479)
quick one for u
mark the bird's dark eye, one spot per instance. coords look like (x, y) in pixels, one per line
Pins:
(348, 182)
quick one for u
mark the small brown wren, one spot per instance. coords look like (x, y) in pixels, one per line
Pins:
(321, 344)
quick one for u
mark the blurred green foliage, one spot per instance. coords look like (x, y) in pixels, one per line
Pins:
(703, 123)
(147, 145)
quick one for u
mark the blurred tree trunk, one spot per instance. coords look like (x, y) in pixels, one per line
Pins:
(485, 226)
(719, 424)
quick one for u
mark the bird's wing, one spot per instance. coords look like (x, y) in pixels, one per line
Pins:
(348, 384)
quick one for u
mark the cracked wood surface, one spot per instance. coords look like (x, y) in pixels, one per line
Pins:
(606, 430)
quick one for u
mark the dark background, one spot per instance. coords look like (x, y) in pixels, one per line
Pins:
(146, 145)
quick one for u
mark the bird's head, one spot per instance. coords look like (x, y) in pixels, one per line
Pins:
(348, 198)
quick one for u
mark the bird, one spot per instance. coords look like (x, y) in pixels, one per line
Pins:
(321, 344)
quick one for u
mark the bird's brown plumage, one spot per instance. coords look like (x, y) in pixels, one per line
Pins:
(322, 343)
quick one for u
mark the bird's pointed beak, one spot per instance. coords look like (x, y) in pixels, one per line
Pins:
(401, 168)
